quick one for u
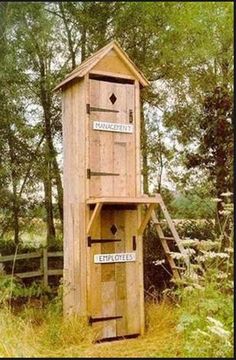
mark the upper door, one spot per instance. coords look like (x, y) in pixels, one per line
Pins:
(112, 161)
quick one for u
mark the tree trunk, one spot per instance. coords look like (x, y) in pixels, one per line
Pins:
(48, 201)
(15, 203)
(69, 37)
(45, 97)
(57, 177)
(159, 184)
(48, 188)
(16, 219)
(83, 43)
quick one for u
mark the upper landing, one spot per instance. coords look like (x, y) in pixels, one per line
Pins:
(110, 200)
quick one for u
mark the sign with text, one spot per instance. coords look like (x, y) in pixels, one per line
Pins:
(107, 126)
(113, 258)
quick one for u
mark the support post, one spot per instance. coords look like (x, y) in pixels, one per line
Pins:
(146, 219)
(94, 216)
(45, 267)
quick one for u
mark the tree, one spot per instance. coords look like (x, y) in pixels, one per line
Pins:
(37, 42)
(17, 138)
(201, 84)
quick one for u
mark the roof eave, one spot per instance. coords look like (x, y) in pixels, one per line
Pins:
(121, 53)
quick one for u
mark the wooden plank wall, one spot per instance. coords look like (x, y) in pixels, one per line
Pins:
(138, 140)
(73, 115)
(95, 289)
(112, 63)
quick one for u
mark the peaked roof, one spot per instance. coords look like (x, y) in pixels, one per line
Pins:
(89, 63)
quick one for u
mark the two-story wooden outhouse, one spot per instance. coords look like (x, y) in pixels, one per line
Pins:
(103, 217)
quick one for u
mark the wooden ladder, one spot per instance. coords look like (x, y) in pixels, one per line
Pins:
(176, 269)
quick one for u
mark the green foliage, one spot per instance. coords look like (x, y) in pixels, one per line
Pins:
(192, 206)
(208, 320)
(55, 336)
(200, 111)
(202, 338)
(196, 229)
(12, 289)
(39, 43)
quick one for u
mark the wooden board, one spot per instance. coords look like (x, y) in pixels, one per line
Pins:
(108, 285)
(138, 174)
(140, 274)
(68, 272)
(74, 200)
(132, 275)
(112, 62)
(120, 274)
(115, 288)
(112, 152)
(94, 279)
(101, 290)
(124, 200)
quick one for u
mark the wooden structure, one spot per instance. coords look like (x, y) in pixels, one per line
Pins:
(105, 212)
(42, 272)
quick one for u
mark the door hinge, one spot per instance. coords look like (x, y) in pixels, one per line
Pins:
(103, 110)
(98, 173)
(100, 241)
(92, 320)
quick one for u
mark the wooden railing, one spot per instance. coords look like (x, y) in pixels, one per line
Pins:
(43, 270)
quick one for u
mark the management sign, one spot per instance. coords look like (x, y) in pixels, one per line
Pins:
(107, 126)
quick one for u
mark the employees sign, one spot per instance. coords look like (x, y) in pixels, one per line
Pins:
(113, 258)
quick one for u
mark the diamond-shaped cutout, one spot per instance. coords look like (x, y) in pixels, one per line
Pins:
(113, 98)
(113, 229)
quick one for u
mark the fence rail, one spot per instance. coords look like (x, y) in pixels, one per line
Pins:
(43, 271)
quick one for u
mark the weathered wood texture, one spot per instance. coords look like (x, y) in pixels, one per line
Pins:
(73, 118)
(112, 50)
(112, 152)
(103, 168)
(43, 271)
(112, 63)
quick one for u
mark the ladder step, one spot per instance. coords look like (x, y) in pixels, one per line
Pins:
(172, 253)
(167, 238)
(156, 222)
(178, 268)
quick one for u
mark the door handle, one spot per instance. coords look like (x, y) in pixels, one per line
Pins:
(134, 243)
(131, 118)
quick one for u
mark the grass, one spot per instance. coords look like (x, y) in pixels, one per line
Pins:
(170, 332)
(198, 325)
(43, 333)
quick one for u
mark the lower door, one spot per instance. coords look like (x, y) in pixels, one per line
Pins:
(114, 295)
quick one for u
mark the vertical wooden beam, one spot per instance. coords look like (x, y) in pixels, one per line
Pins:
(45, 267)
(140, 277)
(137, 139)
(87, 127)
(93, 271)
(86, 187)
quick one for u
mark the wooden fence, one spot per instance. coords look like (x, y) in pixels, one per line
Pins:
(43, 270)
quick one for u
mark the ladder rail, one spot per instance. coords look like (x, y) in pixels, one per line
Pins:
(165, 246)
(173, 230)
